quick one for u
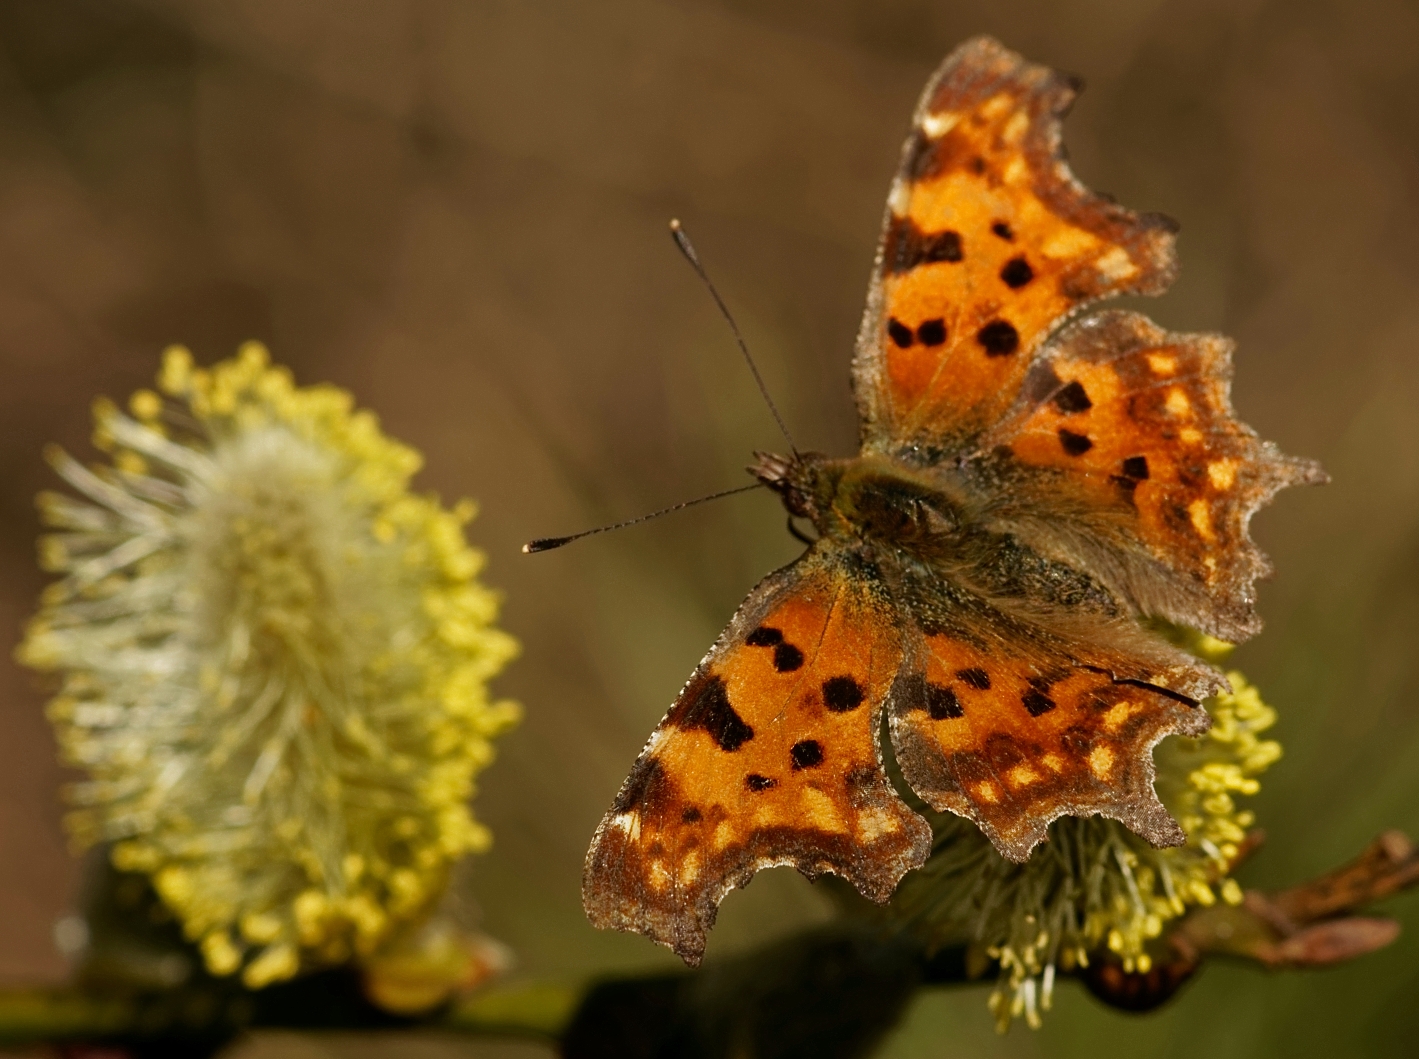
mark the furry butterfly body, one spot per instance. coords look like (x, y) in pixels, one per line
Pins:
(1031, 489)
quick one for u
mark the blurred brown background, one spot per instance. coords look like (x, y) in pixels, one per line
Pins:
(457, 209)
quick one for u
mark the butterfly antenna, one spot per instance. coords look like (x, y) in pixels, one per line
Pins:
(687, 248)
(546, 544)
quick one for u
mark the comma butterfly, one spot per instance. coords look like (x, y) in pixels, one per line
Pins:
(1032, 485)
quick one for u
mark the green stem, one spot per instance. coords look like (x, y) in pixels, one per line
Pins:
(35, 1016)
(529, 1009)
(532, 1010)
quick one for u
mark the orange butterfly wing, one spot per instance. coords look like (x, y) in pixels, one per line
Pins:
(1124, 452)
(1016, 719)
(768, 757)
(989, 242)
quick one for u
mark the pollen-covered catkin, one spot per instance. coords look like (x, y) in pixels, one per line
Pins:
(273, 663)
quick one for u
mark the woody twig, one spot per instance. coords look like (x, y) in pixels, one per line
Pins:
(1313, 924)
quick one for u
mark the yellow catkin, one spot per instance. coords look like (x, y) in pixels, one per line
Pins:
(274, 661)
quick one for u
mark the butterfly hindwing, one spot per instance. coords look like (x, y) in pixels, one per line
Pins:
(988, 243)
(1013, 725)
(769, 756)
(1123, 451)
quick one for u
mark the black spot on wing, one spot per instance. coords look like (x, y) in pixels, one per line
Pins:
(998, 338)
(1002, 229)
(841, 694)
(1072, 399)
(941, 246)
(1074, 444)
(932, 332)
(806, 754)
(906, 246)
(691, 815)
(1037, 702)
(757, 783)
(942, 703)
(974, 677)
(764, 636)
(918, 693)
(901, 334)
(706, 706)
(1135, 470)
(787, 658)
(1016, 273)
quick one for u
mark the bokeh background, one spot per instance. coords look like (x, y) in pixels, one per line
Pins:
(457, 209)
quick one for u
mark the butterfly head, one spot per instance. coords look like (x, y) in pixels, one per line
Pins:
(806, 481)
(863, 497)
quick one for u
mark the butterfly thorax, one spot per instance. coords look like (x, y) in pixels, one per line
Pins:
(929, 522)
(869, 497)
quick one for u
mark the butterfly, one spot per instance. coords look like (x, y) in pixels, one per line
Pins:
(1034, 488)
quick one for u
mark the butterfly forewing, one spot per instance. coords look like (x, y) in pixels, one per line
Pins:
(769, 756)
(988, 243)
